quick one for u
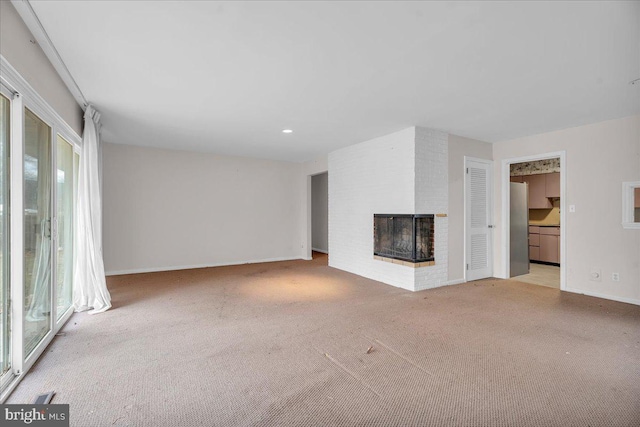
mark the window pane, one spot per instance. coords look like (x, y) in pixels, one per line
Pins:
(65, 224)
(37, 231)
(5, 354)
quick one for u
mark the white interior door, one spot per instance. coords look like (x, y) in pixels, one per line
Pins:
(478, 219)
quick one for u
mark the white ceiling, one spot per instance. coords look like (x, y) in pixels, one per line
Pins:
(228, 77)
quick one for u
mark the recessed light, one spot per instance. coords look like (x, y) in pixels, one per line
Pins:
(287, 131)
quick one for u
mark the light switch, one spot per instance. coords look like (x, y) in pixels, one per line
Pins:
(572, 208)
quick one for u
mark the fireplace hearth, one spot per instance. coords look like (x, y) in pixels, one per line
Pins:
(404, 237)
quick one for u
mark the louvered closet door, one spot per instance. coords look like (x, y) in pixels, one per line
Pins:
(479, 228)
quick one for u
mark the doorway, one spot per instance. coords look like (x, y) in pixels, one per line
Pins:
(534, 219)
(320, 215)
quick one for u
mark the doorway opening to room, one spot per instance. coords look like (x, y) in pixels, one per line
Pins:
(534, 213)
(320, 215)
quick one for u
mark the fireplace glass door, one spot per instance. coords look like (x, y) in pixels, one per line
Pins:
(404, 237)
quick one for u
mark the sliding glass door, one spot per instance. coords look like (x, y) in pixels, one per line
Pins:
(38, 190)
(5, 284)
(64, 199)
(37, 231)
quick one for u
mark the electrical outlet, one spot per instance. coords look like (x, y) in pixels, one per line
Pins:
(595, 275)
(615, 277)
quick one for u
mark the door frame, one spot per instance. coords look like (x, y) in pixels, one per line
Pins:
(490, 185)
(324, 251)
(307, 225)
(506, 203)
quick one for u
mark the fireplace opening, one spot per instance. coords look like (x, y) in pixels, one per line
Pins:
(404, 237)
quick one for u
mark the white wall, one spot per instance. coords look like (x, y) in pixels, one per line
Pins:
(320, 212)
(315, 166)
(599, 157)
(34, 66)
(174, 209)
(376, 176)
(459, 147)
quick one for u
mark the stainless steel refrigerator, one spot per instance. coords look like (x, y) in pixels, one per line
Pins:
(519, 232)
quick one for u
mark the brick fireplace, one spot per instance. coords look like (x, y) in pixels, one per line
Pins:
(406, 172)
(407, 238)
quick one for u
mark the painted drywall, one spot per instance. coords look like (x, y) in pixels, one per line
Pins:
(372, 177)
(459, 147)
(320, 212)
(34, 66)
(315, 166)
(168, 209)
(599, 157)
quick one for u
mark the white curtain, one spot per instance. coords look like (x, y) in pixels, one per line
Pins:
(89, 283)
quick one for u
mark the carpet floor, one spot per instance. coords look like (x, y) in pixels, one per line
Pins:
(301, 344)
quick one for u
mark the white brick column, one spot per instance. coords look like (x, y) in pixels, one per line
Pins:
(401, 173)
(432, 197)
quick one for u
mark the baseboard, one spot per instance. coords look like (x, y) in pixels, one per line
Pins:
(320, 250)
(455, 282)
(555, 264)
(603, 296)
(448, 283)
(190, 267)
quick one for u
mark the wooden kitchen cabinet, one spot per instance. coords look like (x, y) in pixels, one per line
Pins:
(534, 253)
(537, 191)
(544, 244)
(552, 184)
(550, 244)
(534, 243)
(549, 248)
(554, 231)
(516, 179)
(636, 198)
